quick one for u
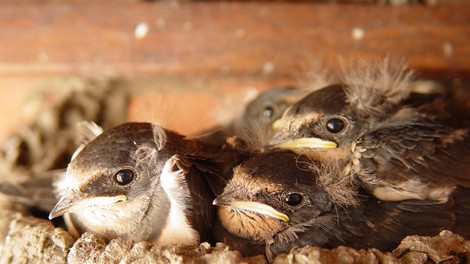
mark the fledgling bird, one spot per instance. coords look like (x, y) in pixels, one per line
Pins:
(255, 123)
(275, 202)
(396, 143)
(144, 183)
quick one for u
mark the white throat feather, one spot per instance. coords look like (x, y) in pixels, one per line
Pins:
(178, 229)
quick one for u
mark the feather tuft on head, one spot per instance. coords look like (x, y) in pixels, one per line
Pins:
(159, 136)
(87, 131)
(374, 87)
(341, 189)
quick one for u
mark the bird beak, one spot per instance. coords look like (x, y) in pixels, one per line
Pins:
(66, 202)
(314, 143)
(276, 124)
(251, 206)
(72, 200)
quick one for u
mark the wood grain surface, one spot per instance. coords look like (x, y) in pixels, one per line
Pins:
(224, 38)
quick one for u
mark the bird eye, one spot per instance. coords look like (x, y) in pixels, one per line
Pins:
(293, 199)
(124, 177)
(268, 111)
(334, 125)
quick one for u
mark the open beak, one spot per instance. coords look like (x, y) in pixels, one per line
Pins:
(313, 143)
(256, 207)
(73, 200)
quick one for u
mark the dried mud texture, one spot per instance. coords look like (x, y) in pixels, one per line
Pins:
(447, 247)
(92, 249)
(34, 240)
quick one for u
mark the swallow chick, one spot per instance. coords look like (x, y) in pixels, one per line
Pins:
(141, 182)
(275, 202)
(395, 143)
(255, 123)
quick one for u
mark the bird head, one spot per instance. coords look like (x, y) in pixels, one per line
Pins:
(267, 194)
(336, 115)
(270, 105)
(110, 183)
(255, 123)
(320, 120)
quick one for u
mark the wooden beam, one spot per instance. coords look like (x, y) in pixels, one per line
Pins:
(224, 38)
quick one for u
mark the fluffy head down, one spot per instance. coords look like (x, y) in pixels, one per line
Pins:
(374, 87)
(341, 189)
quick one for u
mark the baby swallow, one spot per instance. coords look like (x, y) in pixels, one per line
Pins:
(255, 123)
(275, 202)
(399, 145)
(141, 182)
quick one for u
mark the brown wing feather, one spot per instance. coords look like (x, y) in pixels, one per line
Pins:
(422, 151)
(377, 224)
(202, 211)
(35, 193)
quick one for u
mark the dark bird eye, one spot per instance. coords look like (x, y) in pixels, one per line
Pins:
(124, 177)
(268, 111)
(293, 199)
(334, 125)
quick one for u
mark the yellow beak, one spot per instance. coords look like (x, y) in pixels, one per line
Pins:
(276, 124)
(254, 207)
(314, 143)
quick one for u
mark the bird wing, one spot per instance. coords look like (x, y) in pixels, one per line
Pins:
(392, 221)
(208, 169)
(35, 193)
(203, 213)
(217, 161)
(376, 224)
(420, 151)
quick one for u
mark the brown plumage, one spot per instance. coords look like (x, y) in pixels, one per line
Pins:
(397, 144)
(275, 202)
